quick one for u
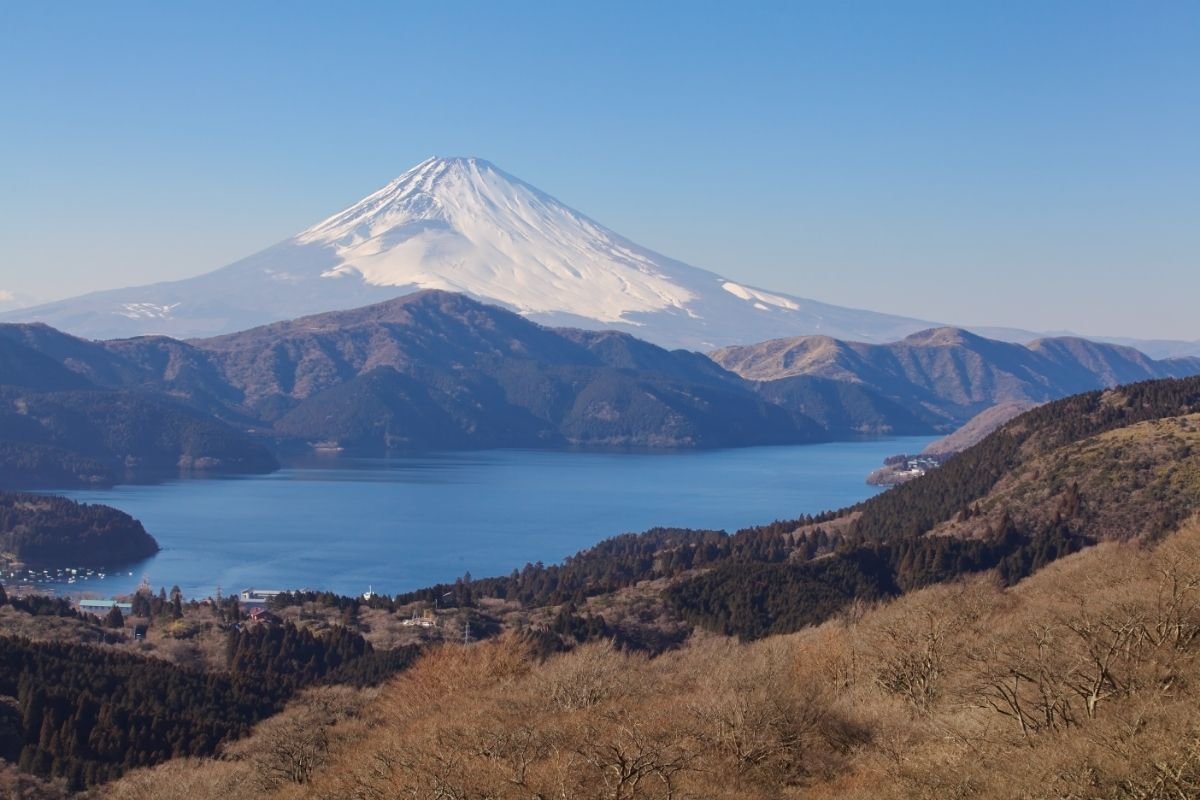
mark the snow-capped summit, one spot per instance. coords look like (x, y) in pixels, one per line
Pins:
(463, 225)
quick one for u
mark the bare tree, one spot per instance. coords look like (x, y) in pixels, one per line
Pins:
(633, 759)
(1020, 678)
(294, 751)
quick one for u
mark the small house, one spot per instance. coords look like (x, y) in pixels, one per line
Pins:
(261, 615)
(93, 606)
(258, 597)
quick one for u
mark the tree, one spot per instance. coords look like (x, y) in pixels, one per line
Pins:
(295, 748)
(115, 618)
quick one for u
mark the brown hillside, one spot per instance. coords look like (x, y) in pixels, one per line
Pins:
(1080, 682)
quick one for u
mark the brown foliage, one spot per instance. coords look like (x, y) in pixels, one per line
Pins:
(1079, 683)
(15, 785)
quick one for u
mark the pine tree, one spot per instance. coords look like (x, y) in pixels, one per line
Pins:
(115, 618)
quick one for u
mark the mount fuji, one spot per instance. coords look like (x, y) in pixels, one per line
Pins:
(463, 225)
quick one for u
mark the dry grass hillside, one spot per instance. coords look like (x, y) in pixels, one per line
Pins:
(1140, 480)
(1080, 682)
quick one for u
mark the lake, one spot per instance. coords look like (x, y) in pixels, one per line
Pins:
(346, 524)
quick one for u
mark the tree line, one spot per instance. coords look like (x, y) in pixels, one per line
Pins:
(89, 714)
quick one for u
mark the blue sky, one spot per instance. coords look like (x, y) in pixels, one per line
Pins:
(1031, 164)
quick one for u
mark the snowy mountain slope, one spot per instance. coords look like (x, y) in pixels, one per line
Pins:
(463, 225)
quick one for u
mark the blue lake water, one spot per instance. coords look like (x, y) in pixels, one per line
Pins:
(395, 524)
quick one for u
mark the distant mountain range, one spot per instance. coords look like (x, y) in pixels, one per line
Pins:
(426, 371)
(463, 225)
(945, 375)
(439, 370)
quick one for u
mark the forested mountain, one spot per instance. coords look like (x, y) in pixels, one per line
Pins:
(86, 714)
(847, 408)
(152, 364)
(101, 437)
(949, 374)
(74, 412)
(437, 369)
(25, 367)
(39, 530)
(433, 370)
(1116, 464)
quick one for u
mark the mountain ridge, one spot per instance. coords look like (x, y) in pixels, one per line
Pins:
(435, 370)
(438, 369)
(950, 372)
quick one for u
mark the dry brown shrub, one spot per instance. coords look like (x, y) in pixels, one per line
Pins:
(16, 785)
(185, 779)
(594, 674)
(911, 649)
(901, 701)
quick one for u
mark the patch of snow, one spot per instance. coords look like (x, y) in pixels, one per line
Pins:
(147, 310)
(737, 290)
